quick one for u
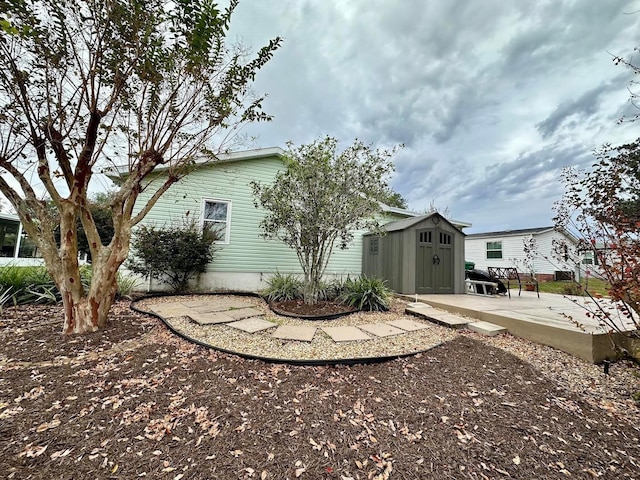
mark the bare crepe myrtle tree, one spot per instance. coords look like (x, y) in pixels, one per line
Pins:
(322, 197)
(85, 86)
(602, 206)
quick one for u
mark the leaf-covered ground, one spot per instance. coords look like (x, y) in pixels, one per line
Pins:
(136, 402)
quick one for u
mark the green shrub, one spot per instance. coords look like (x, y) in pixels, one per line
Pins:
(366, 293)
(174, 254)
(281, 288)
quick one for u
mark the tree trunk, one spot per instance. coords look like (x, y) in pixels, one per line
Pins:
(310, 289)
(86, 314)
(87, 311)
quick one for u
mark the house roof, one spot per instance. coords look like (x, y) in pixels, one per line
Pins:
(9, 216)
(118, 171)
(411, 221)
(507, 233)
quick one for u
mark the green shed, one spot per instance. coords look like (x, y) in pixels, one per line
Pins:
(422, 254)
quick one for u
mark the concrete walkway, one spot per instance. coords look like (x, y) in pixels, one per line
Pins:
(554, 320)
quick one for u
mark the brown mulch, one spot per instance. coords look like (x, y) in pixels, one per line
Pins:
(163, 408)
(321, 308)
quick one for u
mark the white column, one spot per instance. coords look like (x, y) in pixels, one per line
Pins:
(18, 240)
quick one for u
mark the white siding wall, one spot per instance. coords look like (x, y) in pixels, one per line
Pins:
(513, 249)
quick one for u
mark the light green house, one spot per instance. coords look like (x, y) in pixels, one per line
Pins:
(220, 192)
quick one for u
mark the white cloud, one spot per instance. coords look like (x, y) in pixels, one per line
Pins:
(492, 96)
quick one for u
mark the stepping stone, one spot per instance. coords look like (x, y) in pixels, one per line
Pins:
(196, 303)
(252, 325)
(345, 334)
(240, 313)
(220, 304)
(168, 310)
(443, 318)
(418, 305)
(210, 318)
(407, 325)
(486, 328)
(294, 332)
(381, 329)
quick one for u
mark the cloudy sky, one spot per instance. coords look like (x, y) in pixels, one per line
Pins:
(490, 98)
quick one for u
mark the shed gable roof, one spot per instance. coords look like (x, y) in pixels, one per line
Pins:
(405, 223)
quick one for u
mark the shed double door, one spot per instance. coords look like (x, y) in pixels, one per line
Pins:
(434, 261)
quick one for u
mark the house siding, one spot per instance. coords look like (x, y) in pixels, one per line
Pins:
(248, 259)
(513, 253)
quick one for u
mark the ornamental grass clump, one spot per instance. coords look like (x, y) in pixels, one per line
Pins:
(282, 288)
(367, 293)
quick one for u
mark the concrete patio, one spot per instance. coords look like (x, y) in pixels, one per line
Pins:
(553, 320)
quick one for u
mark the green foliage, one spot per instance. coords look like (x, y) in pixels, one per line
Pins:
(133, 86)
(34, 284)
(28, 285)
(281, 288)
(174, 254)
(330, 291)
(321, 199)
(5, 296)
(126, 285)
(394, 199)
(367, 293)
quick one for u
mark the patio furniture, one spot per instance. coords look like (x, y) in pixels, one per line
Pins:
(511, 274)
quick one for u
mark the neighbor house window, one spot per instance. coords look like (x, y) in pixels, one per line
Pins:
(217, 214)
(494, 249)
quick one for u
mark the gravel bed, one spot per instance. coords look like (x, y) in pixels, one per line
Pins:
(611, 392)
(262, 344)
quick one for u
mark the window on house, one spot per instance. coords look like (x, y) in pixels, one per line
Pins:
(494, 249)
(217, 214)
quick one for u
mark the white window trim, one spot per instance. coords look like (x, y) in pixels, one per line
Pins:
(486, 250)
(227, 230)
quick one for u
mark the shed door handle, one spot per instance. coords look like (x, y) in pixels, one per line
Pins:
(436, 260)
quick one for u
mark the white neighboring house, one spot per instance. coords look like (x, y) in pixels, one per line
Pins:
(15, 247)
(506, 249)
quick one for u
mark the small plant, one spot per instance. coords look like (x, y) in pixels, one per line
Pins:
(366, 293)
(28, 285)
(281, 288)
(175, 254)
(126, 285)
(330, 291)
(5, 296)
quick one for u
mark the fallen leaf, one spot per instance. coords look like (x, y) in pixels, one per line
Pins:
(48, 425)
(300, 471)
(516, 460)
(60, 453)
